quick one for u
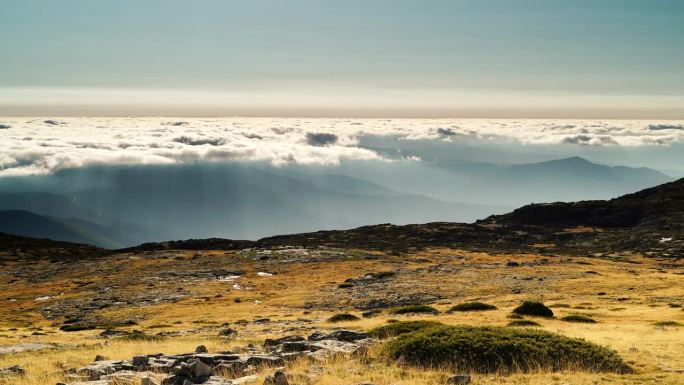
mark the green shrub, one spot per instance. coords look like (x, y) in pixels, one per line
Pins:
(578, 318)
(413, 309)
(138, 335)
(397, 328)
(76, 327)
(522, 322)
(472, 306)
(343, 317)
(533, 308)
(345, 285)
(500, 349)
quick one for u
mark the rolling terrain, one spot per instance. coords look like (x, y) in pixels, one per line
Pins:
(65, 304)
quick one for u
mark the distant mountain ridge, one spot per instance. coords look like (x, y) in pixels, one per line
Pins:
(650, 221)
(126, 206)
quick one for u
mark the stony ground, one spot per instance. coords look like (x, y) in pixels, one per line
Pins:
(157, 307)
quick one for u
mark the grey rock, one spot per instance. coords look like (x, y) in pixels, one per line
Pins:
(459, 379)
(140, 361)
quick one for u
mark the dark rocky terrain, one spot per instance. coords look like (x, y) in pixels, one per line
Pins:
(650, 222)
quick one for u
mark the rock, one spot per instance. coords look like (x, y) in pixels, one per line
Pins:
(371, 313)
(218, 380)
(227, 332)
(459, 379)
(15, 370)
(96, 370)
(280, 378)
(245, 379)
(201, 349)
(199, 368)
(347, 336)
(149, 381)
(140, 361)
(275, 342)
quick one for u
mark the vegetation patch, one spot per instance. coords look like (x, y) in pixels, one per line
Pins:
(76, 327)
(501, 349)
(522, 323)
(414, 309)
(578, 318)
(472, 306)
(343, 317)
(534, 309)
(398, 328)
(138, 335)
(345, 285)
(667, 323)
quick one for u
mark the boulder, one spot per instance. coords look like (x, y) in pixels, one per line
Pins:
(458, 379)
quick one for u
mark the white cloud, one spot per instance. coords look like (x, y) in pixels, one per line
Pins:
(32, 146)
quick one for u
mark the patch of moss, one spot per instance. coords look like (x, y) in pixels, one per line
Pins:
(522, 322)
(501, 349)
(414, 309)
(533, 308)
(578, 318)
(343, 317)
(472, 306)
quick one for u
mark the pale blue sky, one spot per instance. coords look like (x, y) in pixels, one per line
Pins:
(579, 58)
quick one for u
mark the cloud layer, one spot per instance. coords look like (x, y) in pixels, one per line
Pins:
(43, 145)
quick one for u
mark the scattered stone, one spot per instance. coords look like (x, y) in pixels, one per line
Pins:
(459, 379)
(227, 332)
(15, 370)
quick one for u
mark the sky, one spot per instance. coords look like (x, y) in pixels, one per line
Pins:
(608, 59)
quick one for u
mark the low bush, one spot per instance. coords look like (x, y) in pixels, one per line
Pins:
(397, 328)
(343, 317)
(667, 323)
(472, 306)
(578, 318)
(534, 309)
(76, 327)
(137, 335)
(500, 349)
(414, 309)
(522, 322)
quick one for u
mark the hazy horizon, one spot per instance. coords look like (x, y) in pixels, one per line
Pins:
(456, 59)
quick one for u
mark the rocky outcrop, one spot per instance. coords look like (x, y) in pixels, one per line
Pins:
(226, 368)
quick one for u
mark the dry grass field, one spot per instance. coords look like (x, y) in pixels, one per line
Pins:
(188, 297)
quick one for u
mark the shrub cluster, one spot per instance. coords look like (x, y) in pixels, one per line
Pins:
(413, 309)
(578, 318)
(500, 349)
(472, 306)
(343, 317)
(533, 308)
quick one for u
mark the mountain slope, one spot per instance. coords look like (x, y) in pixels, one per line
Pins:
(28, 224)
(650, 222)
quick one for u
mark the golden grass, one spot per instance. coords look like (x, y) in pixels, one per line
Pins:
(637, 294)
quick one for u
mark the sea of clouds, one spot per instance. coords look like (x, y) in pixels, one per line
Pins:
(35, 146)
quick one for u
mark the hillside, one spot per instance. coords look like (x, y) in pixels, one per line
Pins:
(649, 221)
(28, 224)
